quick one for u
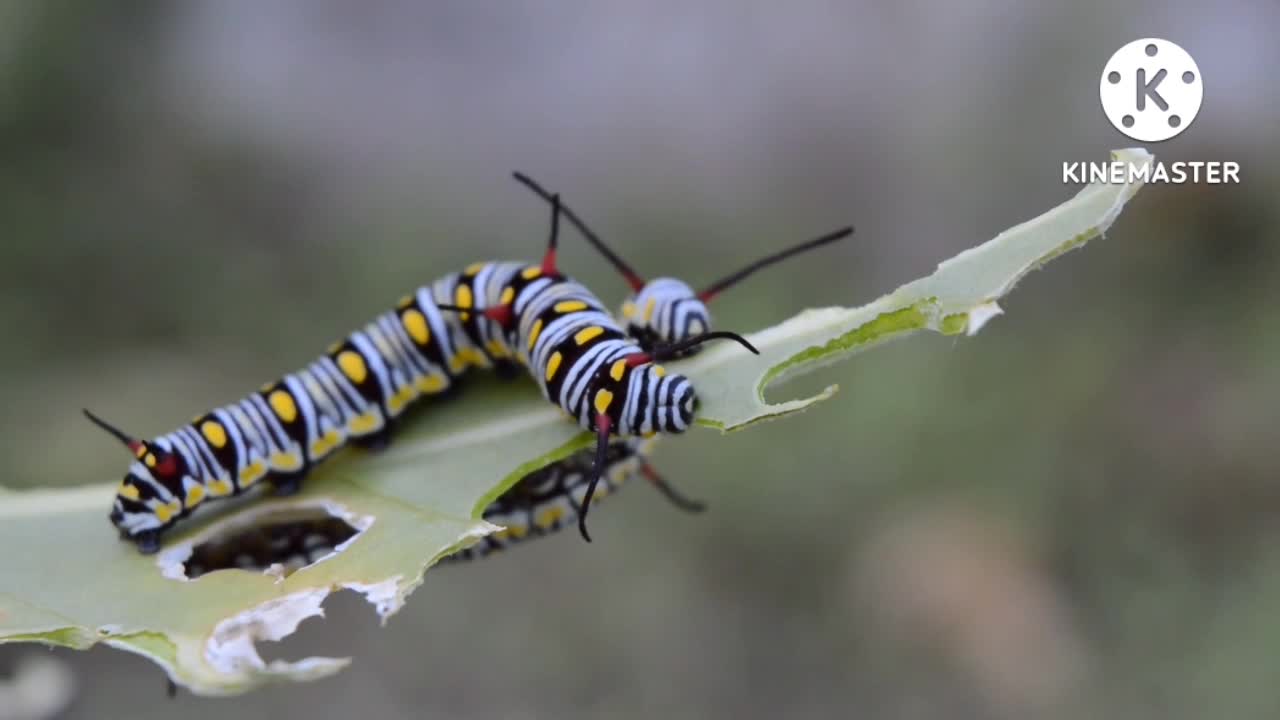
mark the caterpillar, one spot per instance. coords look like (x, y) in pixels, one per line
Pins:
(544, 501)
(541, 502)
(491, 315)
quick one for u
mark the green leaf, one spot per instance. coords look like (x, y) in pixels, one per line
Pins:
(65, 580)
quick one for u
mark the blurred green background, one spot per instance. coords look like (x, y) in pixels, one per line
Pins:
(1072, 515)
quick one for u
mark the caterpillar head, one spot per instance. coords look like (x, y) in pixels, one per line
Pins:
(149, 498)
(657, 401)
(674, 403)
(666, 311)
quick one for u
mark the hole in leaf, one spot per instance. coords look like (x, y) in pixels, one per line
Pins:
(282, 541)
(346, 618)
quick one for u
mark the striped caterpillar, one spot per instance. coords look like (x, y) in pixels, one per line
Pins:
(491, 315)
(548, 499)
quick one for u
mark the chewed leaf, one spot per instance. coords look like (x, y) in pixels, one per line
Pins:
(382, 519)
(960, 297)
(75, 585)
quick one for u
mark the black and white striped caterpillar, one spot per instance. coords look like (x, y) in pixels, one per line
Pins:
(549, 499)
(491, 315)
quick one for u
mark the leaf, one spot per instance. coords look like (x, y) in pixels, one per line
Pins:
(65, 581)
(959, 297)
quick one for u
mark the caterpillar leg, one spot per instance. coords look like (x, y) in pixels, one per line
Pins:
(380, 440)
(286, 485)
(677, 498)
(603, 426)
(148, 542)
(456, 389)
(507, 370)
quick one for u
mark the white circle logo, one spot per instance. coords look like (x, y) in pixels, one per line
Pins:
(1151, 89)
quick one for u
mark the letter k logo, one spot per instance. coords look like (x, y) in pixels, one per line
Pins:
(1165, 93)
(1148, 89)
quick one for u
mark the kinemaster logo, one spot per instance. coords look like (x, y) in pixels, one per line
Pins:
(1152, 90)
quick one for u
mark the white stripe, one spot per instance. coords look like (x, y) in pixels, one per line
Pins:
(374, 360)
(306, 406)
(234, 432)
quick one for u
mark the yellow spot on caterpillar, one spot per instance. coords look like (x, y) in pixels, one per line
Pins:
(415, 323)
(462, 296)
(604, 398)
(549, 517)
(534, 333)
(465, 358)
(497, 349)
(508, 295)
(220, 487)
(142, 450)
(501, 534)
(283, 405)
(619, 367)
(195, 495)
(518, 530)
(363, 424)
(325, 444)
(553, 364)
(404, 302)
(252, 473)
(150, 460)
(568, 306)
(332, 349)
(531, 272)
(402, 397)
(352, 365)
(214, 433)
(628, 310)
(128, 491)
(659, 371)
(285, 461)
(648, 309)
(586, 335)
(164, 513)
(649, 434)
(601, 491)
(430, 384)
(474, 268)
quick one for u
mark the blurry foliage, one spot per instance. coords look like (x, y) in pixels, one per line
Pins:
(1116, 433)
